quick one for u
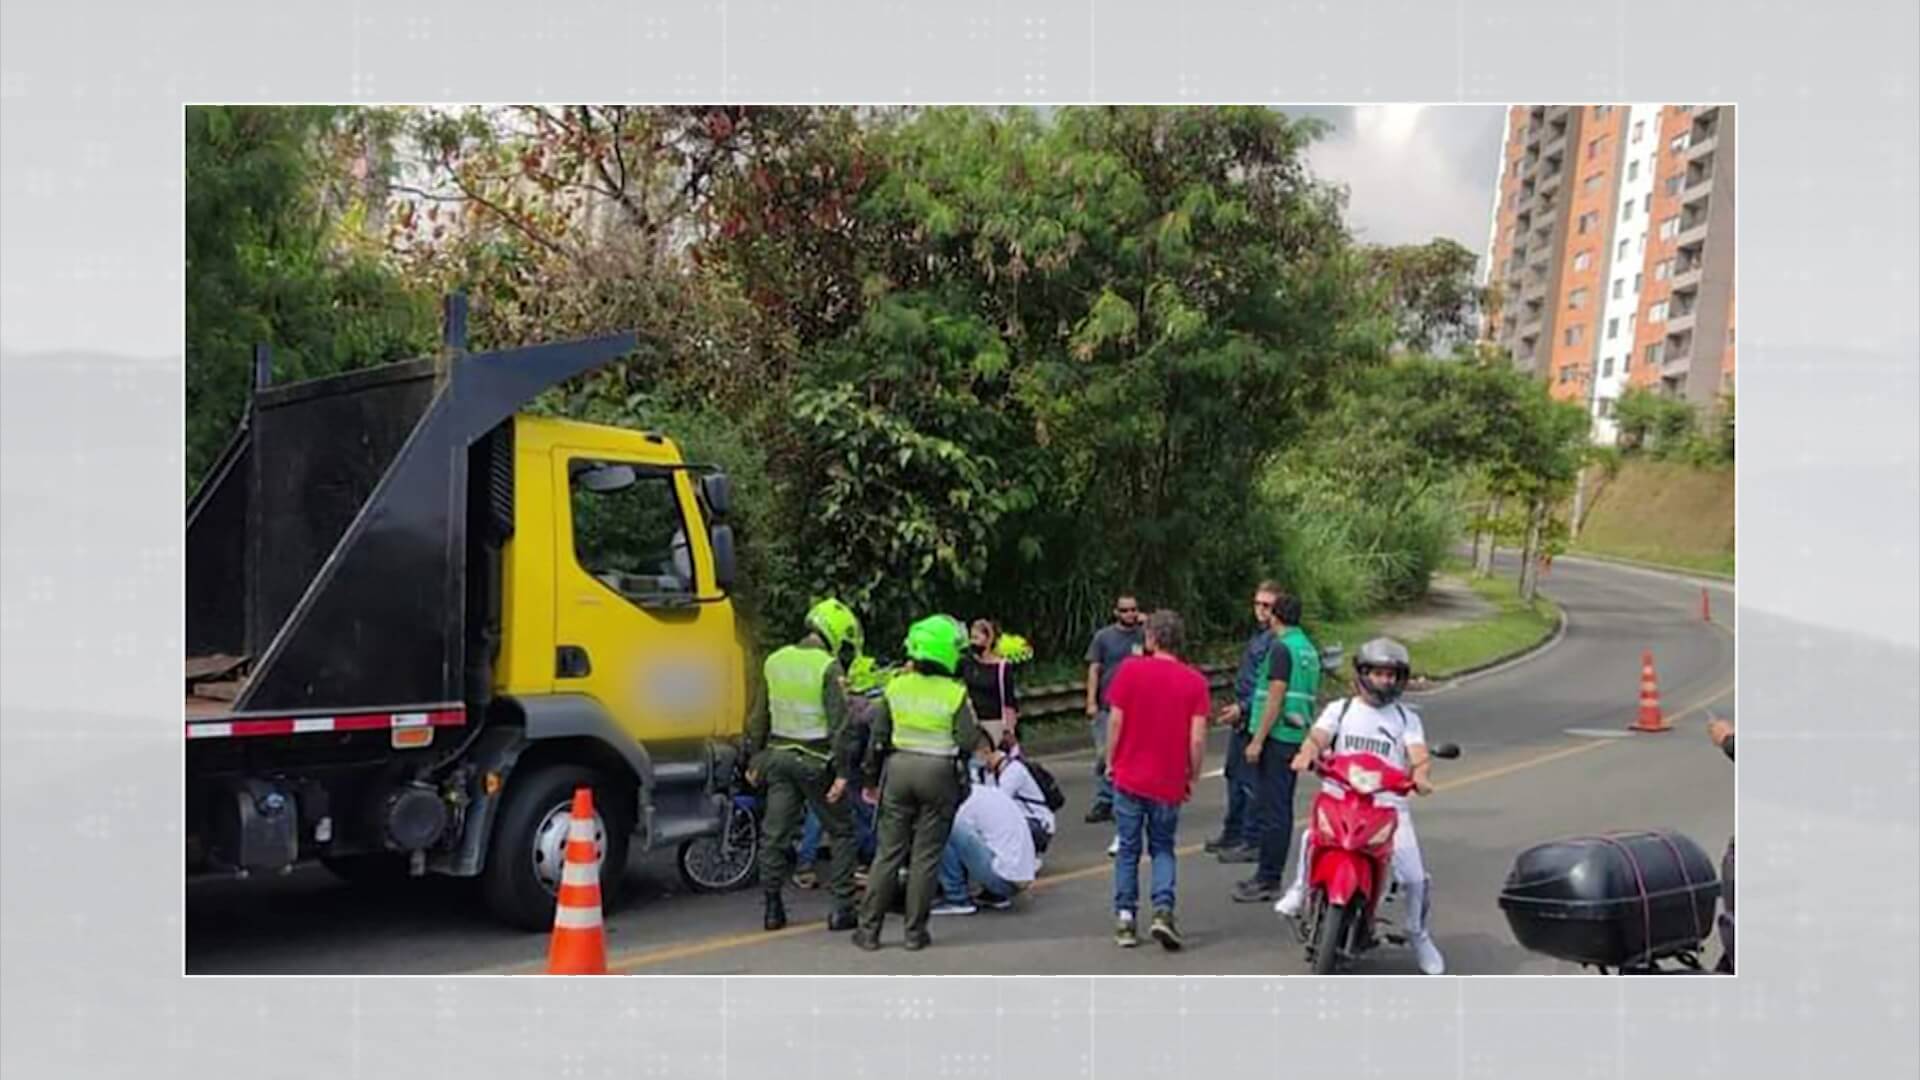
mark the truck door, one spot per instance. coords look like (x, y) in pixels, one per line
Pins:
(641, 625)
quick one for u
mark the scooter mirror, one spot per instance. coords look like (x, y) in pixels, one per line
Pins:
(1445, 750)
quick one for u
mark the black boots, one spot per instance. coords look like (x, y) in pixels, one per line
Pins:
(776, 912)
(842, 919)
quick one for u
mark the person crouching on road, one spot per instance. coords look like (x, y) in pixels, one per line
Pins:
(1373, 721)
(1156, 734)
(805, 750)
(914, 772)
(990, 848)
(1000, 767)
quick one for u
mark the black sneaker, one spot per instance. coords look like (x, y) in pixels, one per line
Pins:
(865, 941)
(1254, 891)
(1165, 932)
(1099, 814)
(993, 901)
(1218, 844)
(1124, 933)
(1240, 853)
(842, 919)
(916, 942)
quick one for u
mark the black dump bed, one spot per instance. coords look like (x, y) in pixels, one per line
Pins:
(329, 545)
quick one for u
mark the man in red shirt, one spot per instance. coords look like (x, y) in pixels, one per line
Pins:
(1157, 730)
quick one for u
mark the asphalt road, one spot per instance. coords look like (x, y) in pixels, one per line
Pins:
(1538, 764)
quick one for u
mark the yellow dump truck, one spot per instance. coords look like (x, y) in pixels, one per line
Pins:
(419, 617)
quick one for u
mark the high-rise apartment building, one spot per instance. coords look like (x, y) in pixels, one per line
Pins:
(1611, 252)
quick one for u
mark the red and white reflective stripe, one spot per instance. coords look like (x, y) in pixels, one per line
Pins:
(227, 729)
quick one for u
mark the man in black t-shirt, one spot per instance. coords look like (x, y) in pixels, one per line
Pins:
(1111, 647)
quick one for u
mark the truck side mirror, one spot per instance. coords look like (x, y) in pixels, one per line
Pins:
(607, 479)
(717, 489)
(721, 539)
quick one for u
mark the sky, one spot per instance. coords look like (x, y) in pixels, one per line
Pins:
(1413, 172)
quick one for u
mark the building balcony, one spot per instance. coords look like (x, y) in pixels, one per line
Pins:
(1701, 147)
(1696, 191)
(1550, 180)
(1695, 233)
(1681, 321)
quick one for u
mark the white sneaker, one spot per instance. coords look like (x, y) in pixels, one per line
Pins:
(947, 907)
(1113, 849)
(1291, 902)
(1431, 962)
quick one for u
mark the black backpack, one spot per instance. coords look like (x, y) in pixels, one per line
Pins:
(1049, 787)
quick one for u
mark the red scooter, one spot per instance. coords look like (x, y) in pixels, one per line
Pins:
(1352, 858)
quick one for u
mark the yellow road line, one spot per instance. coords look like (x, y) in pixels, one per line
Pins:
(670, 953)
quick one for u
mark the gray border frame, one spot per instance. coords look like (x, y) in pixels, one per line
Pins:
(89, 298)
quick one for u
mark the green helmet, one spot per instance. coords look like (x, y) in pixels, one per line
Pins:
(936, 639)
(835, 622)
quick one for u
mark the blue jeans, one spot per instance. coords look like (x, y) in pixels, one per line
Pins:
(1103, 787)
(1242, 825)
(1132, 815)
(968, 857)
(862, 831)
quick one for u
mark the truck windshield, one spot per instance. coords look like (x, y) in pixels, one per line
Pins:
(634, 539)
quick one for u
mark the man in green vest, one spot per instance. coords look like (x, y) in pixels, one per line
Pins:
(1283, 710)
(804, 748)
(914, 771)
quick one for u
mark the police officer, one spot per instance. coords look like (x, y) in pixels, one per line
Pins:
(806, 753)
(914, 771)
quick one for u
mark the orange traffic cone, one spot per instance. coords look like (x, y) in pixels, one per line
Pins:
(579, 944)
(1650, 718)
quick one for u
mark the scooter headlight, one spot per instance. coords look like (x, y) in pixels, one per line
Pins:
(1364, 781)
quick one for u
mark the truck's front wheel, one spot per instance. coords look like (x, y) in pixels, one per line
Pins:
(528, 848)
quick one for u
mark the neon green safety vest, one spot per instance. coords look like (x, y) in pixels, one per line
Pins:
(922, 707)
(1303, 688)
(796, 700)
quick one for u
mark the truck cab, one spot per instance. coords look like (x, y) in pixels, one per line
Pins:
(420, 617)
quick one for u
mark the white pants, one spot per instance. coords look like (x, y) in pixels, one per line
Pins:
(1408, 870)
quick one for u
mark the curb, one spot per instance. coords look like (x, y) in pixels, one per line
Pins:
(1710, 576)
(1501, 663)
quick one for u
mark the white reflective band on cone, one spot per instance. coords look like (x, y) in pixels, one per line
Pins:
(581, 829)
(573, 918)
(576, 874)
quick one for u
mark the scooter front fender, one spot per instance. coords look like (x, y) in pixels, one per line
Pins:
(1342, 874)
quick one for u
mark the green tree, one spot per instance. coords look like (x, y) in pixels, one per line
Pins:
(1119, 314)
(277, 199)
(1431, 291)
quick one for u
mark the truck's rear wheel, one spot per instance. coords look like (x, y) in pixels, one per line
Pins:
(528, 847)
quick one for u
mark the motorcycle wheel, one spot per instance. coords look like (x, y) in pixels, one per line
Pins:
(712, 864)
(1329, 936)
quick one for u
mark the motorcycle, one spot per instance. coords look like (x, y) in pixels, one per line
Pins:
(1351, 870)
(729, 859)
